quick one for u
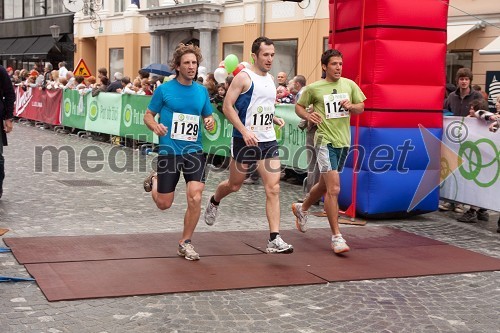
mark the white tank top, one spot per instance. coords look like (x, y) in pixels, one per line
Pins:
(256, 107)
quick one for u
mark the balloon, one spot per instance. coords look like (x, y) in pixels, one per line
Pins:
(202, 70)
(238, 69)
(246, 64)
(220, 75)
(231, 62)
(221, 64)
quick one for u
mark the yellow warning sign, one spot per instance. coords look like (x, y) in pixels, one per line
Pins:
(82, 69)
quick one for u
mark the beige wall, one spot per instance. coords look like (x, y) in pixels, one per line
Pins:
(309, 33)
(95, 51)
(284, 20)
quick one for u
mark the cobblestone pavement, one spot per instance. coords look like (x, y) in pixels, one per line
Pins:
(36, 204)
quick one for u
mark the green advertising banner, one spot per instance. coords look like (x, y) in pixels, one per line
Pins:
(123, 115)
(291, 139)
(218, 141)
(104, 113)
(74, 109)
(132, 119)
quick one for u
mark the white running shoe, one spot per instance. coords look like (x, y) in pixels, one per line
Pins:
(339, 244)
(211, 213)
(301, 217)
(187, 251)
(278, 245)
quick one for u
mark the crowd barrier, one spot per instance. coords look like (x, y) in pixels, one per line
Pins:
(473, 182)
(123, 115)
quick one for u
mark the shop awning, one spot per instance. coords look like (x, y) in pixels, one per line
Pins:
(491, 48)
(454, 32)
(19, 47)
(40, 47)
(5, 43)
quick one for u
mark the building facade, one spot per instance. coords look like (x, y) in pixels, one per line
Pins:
(125, 35)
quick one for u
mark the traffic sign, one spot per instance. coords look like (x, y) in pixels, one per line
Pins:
(82, 69)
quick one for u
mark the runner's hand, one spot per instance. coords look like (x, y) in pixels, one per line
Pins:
(250, 138)
(209, 123)
(346, 104)
(314, 118)
(279, 121)
(160, 129)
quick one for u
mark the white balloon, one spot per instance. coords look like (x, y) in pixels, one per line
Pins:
(246, 64)
(202, 70)
(220, 75)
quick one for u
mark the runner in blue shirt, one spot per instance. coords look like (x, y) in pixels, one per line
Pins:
(182, 104)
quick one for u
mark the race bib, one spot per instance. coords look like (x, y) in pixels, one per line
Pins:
(185, 127)
(332, 106)
(262, 119)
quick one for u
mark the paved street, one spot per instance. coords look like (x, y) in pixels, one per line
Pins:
(35, 203)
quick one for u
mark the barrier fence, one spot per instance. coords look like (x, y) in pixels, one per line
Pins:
(123, 115)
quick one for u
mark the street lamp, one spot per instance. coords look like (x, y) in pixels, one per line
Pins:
(55, 30)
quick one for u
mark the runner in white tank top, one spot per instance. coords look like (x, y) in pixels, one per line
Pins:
(249, 106)
(256, 107)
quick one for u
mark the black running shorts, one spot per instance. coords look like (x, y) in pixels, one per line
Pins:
(192, 166)
(242, 153)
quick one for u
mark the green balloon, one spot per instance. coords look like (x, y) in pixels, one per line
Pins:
(231, 62)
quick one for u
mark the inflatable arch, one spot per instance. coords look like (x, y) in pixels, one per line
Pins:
(395, 50)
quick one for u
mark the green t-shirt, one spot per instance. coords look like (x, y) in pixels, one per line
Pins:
(336, 131)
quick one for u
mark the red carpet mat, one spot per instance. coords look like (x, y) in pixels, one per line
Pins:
(68, 268)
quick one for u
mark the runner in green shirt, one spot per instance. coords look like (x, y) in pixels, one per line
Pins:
(334, 99)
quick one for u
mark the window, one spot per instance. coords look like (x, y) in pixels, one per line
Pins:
(115, 61)
(55, 7)
(233, 48)
(121, 5)
(145, 56)
(285, 59)
(325, 44)
(12, 9)
(456, 60)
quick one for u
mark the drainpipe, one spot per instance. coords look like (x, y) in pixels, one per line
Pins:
(262, 16)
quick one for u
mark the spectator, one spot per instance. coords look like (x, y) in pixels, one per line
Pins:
(91, 82)
(116, 84)
(101, 87)
(146, 87)
(102, 72)
(7, 99)
(62, 69)
(47, 75)
(299, 83)
(143, 74)
(282, 79)
(283, 96)
(218, 98)
(80, 83)
(125, 83)
(211, 85)
(478, 88)
(458, 101)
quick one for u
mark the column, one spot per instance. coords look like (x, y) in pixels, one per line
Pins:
(206, 48)
(165, 52)
(155, 49)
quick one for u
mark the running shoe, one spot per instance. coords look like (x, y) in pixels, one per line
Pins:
(278, 245)
(148, 181)
(301, 217)
(339, 244)
(211, 213)
(187, 251)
